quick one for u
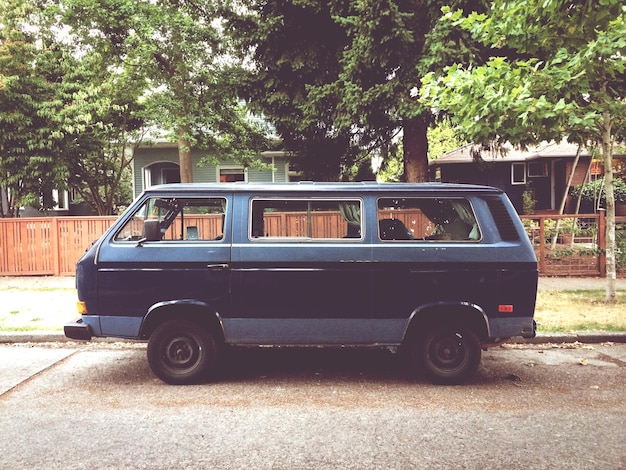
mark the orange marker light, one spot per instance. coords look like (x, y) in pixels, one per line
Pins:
(81, 307)
(505, 308)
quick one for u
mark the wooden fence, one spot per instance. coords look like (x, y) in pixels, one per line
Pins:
(52, 245)
(576, 249)
(47, 245)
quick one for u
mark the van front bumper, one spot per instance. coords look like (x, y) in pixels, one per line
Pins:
(78, 330)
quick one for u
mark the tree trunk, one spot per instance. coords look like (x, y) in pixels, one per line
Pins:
(184, 156)
(564, 198)
(415, 144)
(4, 203)
(607, 154)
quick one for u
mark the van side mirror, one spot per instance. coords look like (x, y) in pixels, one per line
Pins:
(151, 231)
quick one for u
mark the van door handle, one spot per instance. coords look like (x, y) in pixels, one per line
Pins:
(217, 266)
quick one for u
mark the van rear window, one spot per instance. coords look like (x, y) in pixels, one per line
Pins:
(305, 219)
(422, 219)
(504, 223)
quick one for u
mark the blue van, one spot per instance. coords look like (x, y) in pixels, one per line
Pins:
(440, 270)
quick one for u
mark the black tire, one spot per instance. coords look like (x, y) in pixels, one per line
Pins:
(182, 352)
(448, 354)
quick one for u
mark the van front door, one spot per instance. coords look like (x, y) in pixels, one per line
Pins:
(187, 260)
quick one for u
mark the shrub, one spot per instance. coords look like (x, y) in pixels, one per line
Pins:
(590, 192)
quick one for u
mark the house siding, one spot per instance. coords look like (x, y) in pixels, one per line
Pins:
(278, 175)
(208, 172)
(547, 190)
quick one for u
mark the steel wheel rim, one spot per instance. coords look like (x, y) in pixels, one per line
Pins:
(448, 352)
(181, 352)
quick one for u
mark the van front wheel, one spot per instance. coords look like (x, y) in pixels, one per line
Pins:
(182, 352)
(449, 354)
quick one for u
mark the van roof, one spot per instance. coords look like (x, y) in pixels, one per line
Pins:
(309, 186)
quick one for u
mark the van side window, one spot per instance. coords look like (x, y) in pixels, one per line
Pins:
(304, 219)
(178, 219)
(448, 219)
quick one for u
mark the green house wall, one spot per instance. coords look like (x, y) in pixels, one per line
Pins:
(208, 173)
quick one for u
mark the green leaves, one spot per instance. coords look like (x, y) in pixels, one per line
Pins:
(558, 91)
(28, 79)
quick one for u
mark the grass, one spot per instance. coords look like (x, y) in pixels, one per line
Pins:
(36, 309)
(579, 310)
(23, 310)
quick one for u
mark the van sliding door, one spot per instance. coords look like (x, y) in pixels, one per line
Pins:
(301, 273)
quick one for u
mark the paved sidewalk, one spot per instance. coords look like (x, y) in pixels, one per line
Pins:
(578, 283)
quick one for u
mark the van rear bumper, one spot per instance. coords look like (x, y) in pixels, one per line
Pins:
(78, 330)
(510, 327)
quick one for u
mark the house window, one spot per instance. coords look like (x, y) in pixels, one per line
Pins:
(518, 173)
(161, 173)
(170, 175)
(61, 199)
(596, 171)
(232, 174)
(537, 169)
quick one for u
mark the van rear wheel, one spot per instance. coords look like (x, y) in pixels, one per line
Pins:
(182, 352)
(448, 354)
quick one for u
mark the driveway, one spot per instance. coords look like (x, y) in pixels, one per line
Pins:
(98, 406)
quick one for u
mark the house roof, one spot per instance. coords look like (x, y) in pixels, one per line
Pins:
(543, 150)
(161, 144)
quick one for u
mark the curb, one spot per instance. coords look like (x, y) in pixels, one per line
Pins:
(587, 337)
(590, 337)
(48, 337)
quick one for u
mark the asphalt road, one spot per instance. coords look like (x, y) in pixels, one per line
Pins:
(98, 406)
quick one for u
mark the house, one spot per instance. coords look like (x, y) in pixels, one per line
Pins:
(158, 164)
(542, 170)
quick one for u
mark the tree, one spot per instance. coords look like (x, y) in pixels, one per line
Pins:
(289, 55)
(352, 88)
(442, 138)
(179, 47)
(30, 70)
(99, 126)
(68, 117)
(567, 80)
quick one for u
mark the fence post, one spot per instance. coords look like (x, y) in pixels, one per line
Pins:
(542, 245)
(602, 241)
(55, 248)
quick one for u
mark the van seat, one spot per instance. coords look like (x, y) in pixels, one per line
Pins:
(393, 229)
(192, 232)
